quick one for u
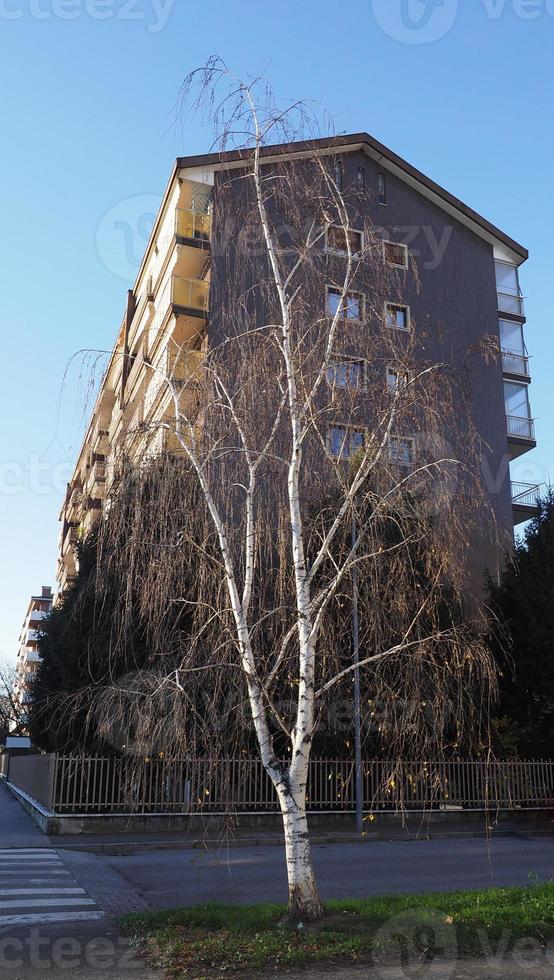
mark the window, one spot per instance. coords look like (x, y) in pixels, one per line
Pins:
(382, 196)
(396, 379)
(339, 237)
(350, 306)
(346, 372)
(344, 442)
(398, 316)
(401, 450)
(338, 175)
(516, 400)
(511, 337)
(361, 178)
(507, 279)
(510, 299)
(396, 254)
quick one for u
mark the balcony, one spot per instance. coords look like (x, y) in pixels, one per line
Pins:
(184, 366)
(191, 296)
(36, 615)
(521, 435)
(96, 480)
(75, 503)
(195, 226)
(515, 364)
(511, 303)
(32, 657)
(525, 501)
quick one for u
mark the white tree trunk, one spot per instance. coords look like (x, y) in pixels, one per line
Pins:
(304, 901)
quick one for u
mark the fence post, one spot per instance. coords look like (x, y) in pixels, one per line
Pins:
(52, 771)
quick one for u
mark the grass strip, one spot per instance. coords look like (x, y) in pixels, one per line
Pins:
(219, 940)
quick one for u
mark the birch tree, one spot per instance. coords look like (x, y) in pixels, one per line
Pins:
(310, 416)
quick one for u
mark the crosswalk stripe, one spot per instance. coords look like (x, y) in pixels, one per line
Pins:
(42, 874)
(36, 887)
(42, 891)
(43, 918)
(45, 903)
(14, 858)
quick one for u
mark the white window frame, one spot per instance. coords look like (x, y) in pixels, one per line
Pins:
(396, 265)
(347, 428)
(401, 438)
(398, 306)
(349, 292)
(341, 359)
(338, 251)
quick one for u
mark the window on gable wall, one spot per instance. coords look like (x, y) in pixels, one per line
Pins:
(397, 316)
(382, 194)
(346, 372)
(401, 450)
(339, 175)
(396, 379)
(349, 306)
(361, 178)
(344, 442)
(337, 239)
(396, 254)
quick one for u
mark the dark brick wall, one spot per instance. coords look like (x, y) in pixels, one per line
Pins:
(452, 295)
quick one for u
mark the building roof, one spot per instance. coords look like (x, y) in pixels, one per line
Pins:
(389, 159)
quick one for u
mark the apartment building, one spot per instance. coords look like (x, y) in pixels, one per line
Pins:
(27, 655)
(468, 288)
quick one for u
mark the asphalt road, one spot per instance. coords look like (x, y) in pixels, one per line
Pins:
(256, 874)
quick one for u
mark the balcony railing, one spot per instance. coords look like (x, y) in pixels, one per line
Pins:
(520, 428)
(510, 303)
(525, 494)
(193, 294)
(515, 363)
(193, 224)
(70, 539)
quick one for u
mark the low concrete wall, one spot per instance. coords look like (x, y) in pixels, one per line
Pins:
(411, 824)
(33, 774)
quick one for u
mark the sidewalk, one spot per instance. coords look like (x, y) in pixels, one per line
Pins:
(17, 829)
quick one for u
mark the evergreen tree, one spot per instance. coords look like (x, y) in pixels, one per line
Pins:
(524, 602)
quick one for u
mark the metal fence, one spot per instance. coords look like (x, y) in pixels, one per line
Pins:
(97, 784)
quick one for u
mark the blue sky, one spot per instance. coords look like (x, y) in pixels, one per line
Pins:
(463, 91)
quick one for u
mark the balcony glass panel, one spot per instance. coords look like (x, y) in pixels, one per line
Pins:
(193, 224)
(511, 337)
(191, 293)
(516, 400)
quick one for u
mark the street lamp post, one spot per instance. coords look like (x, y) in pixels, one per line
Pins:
(358, 775)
